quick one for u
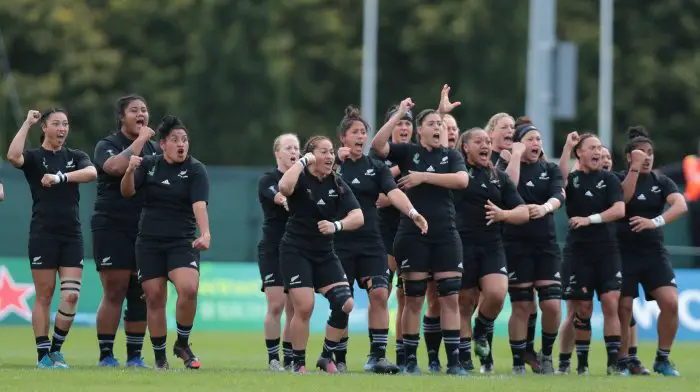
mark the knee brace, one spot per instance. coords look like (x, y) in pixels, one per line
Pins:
(376, 282)
(338, 319)
(135, 301)
(337, 297)
(448, 286)
(521, 294)
(70, 293)
(415, 288)
(552, 291)
(633, 322)
(581, 324)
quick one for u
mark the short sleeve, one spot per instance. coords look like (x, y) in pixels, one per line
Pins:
(199, 184)
(268, 186)
(398, 152)
(668, 187)
(614, 187)
(103, 151)
(82, 159)
(386, 180)
(509, 192)
(556, 182)
(147, 164)
(29, 160)
(347, 200)
(456, 161)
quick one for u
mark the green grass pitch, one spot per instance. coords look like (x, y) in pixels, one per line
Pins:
(237, 362)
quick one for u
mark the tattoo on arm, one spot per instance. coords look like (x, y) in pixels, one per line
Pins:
(127, 153)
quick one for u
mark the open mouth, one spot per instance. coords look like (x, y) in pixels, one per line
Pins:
(61, 136)
(328, 164)
(359, 145)
(484, 153)
(180, 151)
(595, 160)
(452, 140)
(436, 136)
(404, 136)
(535, 151)
(293, 159)
(140, 121)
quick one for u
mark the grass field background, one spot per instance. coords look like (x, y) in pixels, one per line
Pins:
(237, 362)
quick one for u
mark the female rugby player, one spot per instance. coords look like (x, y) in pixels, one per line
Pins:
(361, 252)
(114, 229)
(641, 240)
(430, 171)
(320, 205)
(175, 191)
(53, 173)
(275, 210)
(594, 202)
(532, 251)
(490, 198)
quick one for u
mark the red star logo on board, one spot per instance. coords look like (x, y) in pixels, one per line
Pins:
(14, 296)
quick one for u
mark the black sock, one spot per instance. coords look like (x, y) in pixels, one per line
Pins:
(287, 353)
(134, 344)
(482, 326)
(489, 338)
(273, 349)
(548, 340)
(564, 359)
(329, 347)
(183, 334)
(662, 355)
(106, 343)
(410, 345)
(42, 346)
(451, 339)
(400, 353)
(632, 352)
(517, 347)
(432, 334)
(612, 346)
(531, 327)
(582, 347)
(158, 343)
(299, 357)
(633, 322)
(465, 349)
(341, 350)
(369, 333)
(59, 336)
(380, 339)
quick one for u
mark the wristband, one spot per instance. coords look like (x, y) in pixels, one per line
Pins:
(338, 226)
(304, 162)
(412, 212)
(634, 170)
(59, 178)
(548, 207)
(659, 221)
(595, 218)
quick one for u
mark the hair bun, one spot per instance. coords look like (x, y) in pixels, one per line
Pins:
(352, 111)
(522, 120)
(167, 124)
(637, 131)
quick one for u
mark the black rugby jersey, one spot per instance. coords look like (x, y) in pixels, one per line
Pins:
(588, 194)
(648, 201)
(275, 216)
(435, 203)
(367, 178)
(169, 190)
(312, 201)
(112, 211)
(389, 216)
(484, 184)
(55, 210)
(538, 182)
